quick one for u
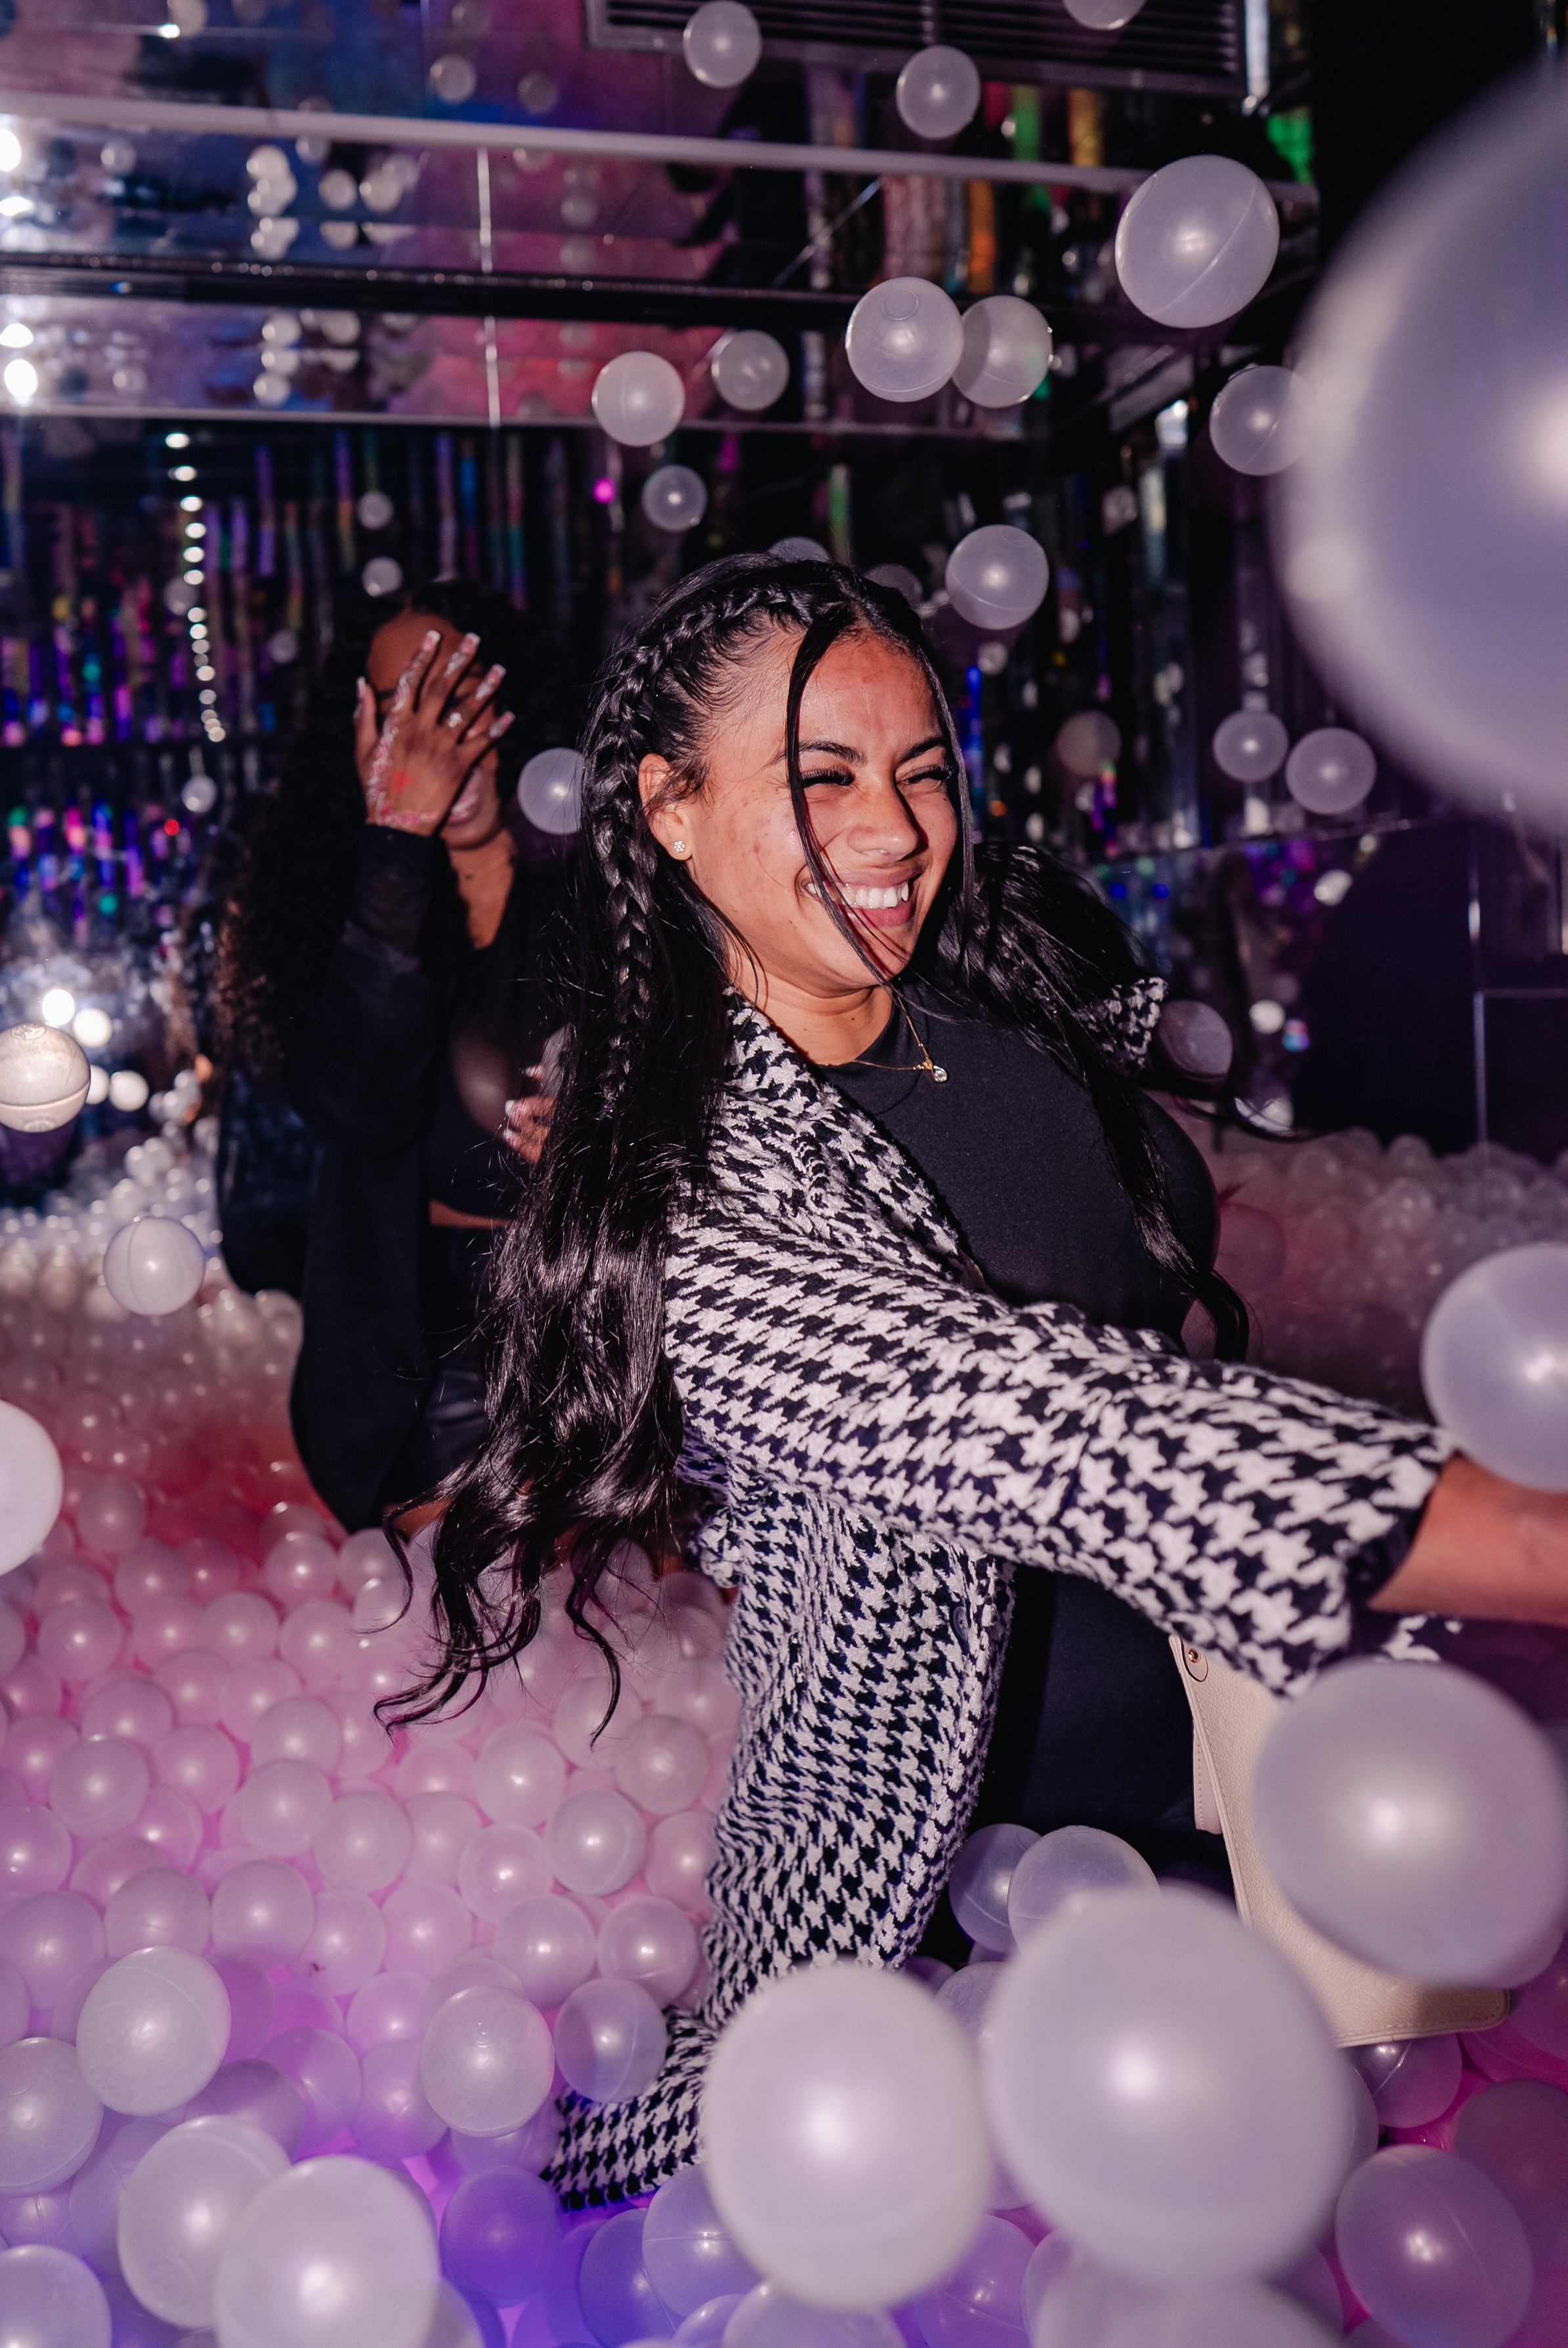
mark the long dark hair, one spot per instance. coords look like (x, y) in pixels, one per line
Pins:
(585, 1423)
(291, 894)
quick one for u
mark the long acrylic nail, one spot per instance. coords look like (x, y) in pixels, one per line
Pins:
(431, 638)
(489, 682)
(500, 725)
(461, 657)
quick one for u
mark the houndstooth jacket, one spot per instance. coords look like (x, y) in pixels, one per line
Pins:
(879, 1445)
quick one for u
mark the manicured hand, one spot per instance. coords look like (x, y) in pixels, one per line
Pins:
(439, 727)
(526, 1123)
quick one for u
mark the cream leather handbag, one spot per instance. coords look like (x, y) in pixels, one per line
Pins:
(1231, 1717)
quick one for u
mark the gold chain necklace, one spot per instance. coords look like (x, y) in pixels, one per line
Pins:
(924, 1066)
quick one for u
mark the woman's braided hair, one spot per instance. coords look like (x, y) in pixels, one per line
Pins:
(585, 1439)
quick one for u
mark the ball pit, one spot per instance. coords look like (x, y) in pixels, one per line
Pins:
(285, 2003)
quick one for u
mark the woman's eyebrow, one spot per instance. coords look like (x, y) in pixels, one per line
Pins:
(932, 742)
(845, 750)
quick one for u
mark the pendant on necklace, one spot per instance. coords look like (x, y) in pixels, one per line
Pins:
(938, 1076)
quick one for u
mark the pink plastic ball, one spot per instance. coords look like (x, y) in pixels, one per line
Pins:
(199, 1762)
(171, 1823)
(348, 1943)
(519, 1776)
(499, 1867)
(389, 2007)
(251, 2004)
(300, 1566)
(160, 1908)
(280, 1805)
(595, 1843)
(610, 2041)
(580, 1727)
(212, 1567)
(549, 1943)
(149, 1570)
(319, 1640)
(97, 1788)
(435, 1769)
(49, 1938)
(32, 1688)
(698, 1692)
(366, 1746)
(297, 1728)
(363, 1842)
(250, 1692)
(111, 1515)
(130, 1707)
(32, 1746)
(152, 2031)
(81, 1640)
(35, 1851)
(443, 1825)
(326, 2073)
(649, 1941)
(663, 1766)
(241, 1627)
(394, 2115)
(49, 2117)
(262, 1910)
(486, 2062)
(162, 1628)
(193, 1679)
(110, 1863)
(427, 1928)
(680, 1852)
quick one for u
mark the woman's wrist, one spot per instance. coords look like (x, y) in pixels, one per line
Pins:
(1485, 1548)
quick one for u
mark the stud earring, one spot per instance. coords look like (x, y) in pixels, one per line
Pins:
(679, 848)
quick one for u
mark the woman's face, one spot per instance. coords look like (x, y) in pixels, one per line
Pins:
(475, 817)
(875, 758)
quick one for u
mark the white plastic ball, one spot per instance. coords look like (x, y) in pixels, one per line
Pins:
(997, 576)
(51, 2298)
(486, 2062)
(596, 1842)
(610, 2041)
(1494, 1363)
(767, 2317)
(937, 92)
(519, 1776)
(799, 550)
(49, 2115)
(1103, 15)
(903, 340)
(549, 1943)
(180, 2205)
(1262, 420)
(1197, 241)
(638, 399)
(689, 2258)
(333, 2254)
(154, 1265)
(44, 1077)
(454, 79)
(1006, 352)
(648, 1940)
(1249, 745)
(1088, 743)
(381, 575)
(722, 44)
(1196, 1037)
(824, 2100)
(550, 790)
(1061, 1869)
(32, 1485)
(153, 2031)
(751, 369)
(1330, 771)
(674, 498)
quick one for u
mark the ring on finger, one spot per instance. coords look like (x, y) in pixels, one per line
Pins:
(456, 720)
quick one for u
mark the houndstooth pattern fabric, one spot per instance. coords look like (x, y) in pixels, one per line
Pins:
(879, 1444)
(1123, 1022)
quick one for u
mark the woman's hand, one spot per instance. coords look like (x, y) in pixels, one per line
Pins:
(438, 727)
(1485, 1548)
(526, 1123)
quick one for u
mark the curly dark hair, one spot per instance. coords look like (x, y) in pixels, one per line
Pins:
(292, 891)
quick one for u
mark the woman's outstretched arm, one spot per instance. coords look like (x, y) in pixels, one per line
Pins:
(1485, 1548)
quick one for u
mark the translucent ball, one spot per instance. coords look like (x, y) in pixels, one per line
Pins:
(1262, 420)
(49, 1938)
(300, 1566)
(1088, 743)
(638, 399)
(799, 550)
(454, 79)
(324, 2070)
(904, 339)
(767, 2317)
(487, 2061)
(749, 369)
(978, 1886)
(363, 1841)
(596, 1842)
(1007, 351)
(1517, 2132)
(1059, 1871)
(200, 1762)
(383, 574)
(153, 2031)
(1195, 1036)
(251, 2003)
(1432, 2249)
(394, 2118)
(1417, 1819)
(333, 2254)
(613, 2286)
(97, 1787)
(49, 2117)
(519, 1776)
(498, 2234)
(680, 1852)
(92, 2200)
(1103, 15)
(549, 1943)
(179, 2208)
(722, 44)
(298, 1728)
(16, 2004)
(262, 1911)
(674, 498)
(550, 790)
(390, 2006)
(1197, 241)
(688, 2257)
(649, 1941)
(160, 1908)
(256, 2092)
(1494, 1363)
(1229, 2154)
(51, 2299)
(663, 1764)
(1241, 2313)
(502, 1865)
(154, 1265)
(111, 1516)
(1413, 2080)
(936, 93)
(81, 1641)
(610, 2041)
(241, 1628)
(997, 576)
(44, 1077)
(1249, 745)
(981, 2304)
(443, 1825)
(1330, 771)
(823, 2098)
(31, 1485)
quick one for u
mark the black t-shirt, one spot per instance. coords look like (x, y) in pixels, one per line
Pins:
(1093, 1728)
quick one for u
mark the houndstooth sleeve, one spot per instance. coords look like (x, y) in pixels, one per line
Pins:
(1225, 1503)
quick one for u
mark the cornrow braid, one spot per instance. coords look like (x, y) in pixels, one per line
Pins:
(584, 1442)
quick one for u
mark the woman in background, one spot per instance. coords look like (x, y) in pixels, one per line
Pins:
(382, 964)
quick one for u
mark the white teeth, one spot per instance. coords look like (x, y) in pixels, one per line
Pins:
(866, 901)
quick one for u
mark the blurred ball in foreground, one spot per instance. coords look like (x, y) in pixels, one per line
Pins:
(1195, 1036)
(1197, 241)
(1415, 1816)
(1494, 1363)
(1088, 743)
(44, 1077)
(549, 788)
(336, 2253)
(32, 1485)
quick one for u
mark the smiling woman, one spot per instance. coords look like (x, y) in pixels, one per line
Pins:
(857, 1260)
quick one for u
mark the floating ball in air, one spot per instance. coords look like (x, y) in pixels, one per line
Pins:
(154, 1265)
(799, 550)
(31, 1485)
(824, 2100)
(44, 1077)
(937, 92)
(1249, 745)
(336, 2253)
(1330, 770)
(1103, 15)
(1197, 241)
(374, 510)
(904, 339)
(1163, 2086)
(454, 79)
(898, 576)
(722, 44)
(997, 576)
(550, 790)
(1195, 1036)
(674, 498)
(381, 575)
(638, 399)
(1494, 1363)
(1088, 743)
(1262, 420)
(1417, 1819)
(1006, 352)
(749, 369)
